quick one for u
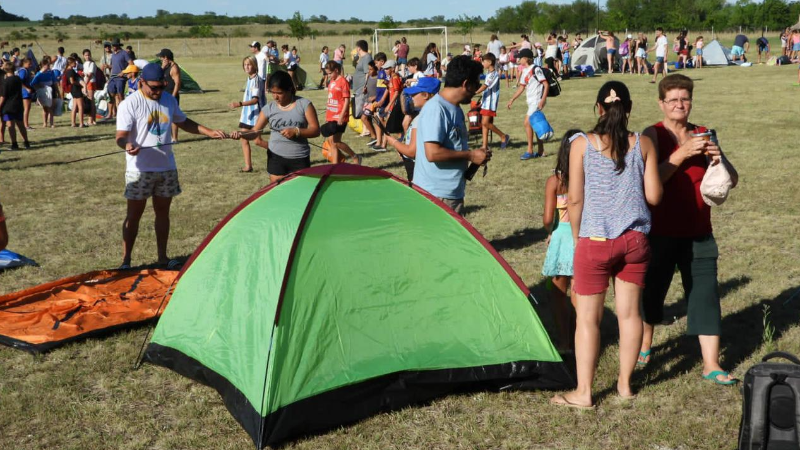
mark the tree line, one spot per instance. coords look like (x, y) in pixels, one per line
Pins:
(539, 17)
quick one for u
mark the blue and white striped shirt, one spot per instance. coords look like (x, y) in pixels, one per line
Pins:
(491, 95)
(613, 202)
(254, 88)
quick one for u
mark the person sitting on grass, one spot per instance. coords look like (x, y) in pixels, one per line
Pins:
(681, 236)
(11, 106)
(490, 92)
(534, 84)
(420, 93)
(144, 125)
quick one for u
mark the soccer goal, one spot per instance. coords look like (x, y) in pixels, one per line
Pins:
(394, 31)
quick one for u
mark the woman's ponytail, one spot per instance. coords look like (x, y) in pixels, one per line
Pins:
(615, 99)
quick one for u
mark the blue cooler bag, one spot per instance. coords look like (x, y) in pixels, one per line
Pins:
(540, 126)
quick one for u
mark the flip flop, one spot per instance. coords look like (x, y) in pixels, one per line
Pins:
(712, 376)
(173, 264)
(560, 400)
(124, 267)
(643, 356)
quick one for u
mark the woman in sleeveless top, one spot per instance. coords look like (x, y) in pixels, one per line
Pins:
(613, 177)
(681, 236)
(560, 248)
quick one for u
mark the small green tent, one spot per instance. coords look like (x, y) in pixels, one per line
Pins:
(343, 291)
(188, 84)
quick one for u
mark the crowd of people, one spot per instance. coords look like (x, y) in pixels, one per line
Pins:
(615, 207)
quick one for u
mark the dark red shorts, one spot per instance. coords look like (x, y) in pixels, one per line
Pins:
(488, 112)
(595, 261)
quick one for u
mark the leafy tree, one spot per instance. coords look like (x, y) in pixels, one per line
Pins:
(465, 25)
(298, 28)
(387, 22)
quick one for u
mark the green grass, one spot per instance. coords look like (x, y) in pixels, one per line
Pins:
(87, 396)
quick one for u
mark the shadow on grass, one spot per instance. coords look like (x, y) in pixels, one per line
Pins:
(469, 209)
(62, 140)
(391, 165)
(677, 310)
(8, 160)
(742, 336)
(519, 239)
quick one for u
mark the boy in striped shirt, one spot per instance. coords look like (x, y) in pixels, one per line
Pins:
(490, 97)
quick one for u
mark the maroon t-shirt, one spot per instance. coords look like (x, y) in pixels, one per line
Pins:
(402, 51)
(682, 211)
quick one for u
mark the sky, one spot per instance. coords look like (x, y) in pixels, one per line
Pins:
(412, 9)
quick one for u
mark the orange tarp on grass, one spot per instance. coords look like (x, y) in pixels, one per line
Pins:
(46, 316)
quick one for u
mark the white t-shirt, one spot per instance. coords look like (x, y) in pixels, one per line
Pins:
(323, 60)
(89, 70)
(60, 64)
(661, 47)
(149, 124)
(261, 61)
(493, 47)
(532, 78)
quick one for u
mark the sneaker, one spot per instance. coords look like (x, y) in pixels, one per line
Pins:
(14, 146)
(526, 156)
(27, 144)
(372, 142)
(377, 148)
(505, 142)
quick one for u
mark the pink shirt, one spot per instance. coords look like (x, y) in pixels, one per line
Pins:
(338, 55)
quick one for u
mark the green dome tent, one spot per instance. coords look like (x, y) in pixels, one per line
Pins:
(343, 291)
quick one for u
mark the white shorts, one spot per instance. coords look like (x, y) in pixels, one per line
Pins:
(531, 109)
(143, 185)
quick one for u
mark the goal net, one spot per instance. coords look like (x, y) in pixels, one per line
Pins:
(387, 34)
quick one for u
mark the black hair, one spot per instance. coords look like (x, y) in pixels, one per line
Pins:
(413, 62)
(615, 99)
(362, 44)
(462, 68)
(281, 80)
(60, 50)
(562, 162)
(86, 50)
(490, 57)
(380, 56)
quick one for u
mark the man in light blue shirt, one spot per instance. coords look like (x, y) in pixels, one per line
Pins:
(443, 153)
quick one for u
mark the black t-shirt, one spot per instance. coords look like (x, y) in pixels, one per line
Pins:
(75, 81)
(681, 44)
(740, 40)
(12, 93)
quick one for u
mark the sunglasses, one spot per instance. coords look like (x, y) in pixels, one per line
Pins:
(157, 87)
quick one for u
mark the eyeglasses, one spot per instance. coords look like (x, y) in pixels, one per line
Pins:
(157, 87)
(674, 101)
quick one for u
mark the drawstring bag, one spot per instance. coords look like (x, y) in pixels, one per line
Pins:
(541, 126)
(717, 183)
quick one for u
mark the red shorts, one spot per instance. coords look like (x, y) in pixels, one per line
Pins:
(595, 261)
(488, 112)
(90, 86)
(684, 52)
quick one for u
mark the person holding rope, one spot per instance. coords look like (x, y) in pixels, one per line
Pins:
(293, 121)
(144, 123)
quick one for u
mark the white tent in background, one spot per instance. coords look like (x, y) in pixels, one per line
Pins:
(715, 54)
(592, 52)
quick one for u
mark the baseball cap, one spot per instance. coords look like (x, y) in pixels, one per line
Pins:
(131, 69)
(165, 52)
(425, 84)
(152, 72)
(630, 36)
(255, 44)
(389, 64)
(525, 53)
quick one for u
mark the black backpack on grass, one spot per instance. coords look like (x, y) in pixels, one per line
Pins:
(771, 405)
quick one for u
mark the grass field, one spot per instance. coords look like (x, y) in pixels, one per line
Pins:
(87, 396)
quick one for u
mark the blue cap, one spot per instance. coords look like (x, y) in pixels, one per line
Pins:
(425, 84)
(152, 72)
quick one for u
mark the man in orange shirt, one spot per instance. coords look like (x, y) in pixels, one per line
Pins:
(338, 112)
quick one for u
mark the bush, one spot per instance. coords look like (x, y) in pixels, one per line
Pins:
(366, 30)
(239, 32)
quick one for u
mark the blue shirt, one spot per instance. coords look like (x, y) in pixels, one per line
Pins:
(443, 122)
(383, 82)
(119, 61)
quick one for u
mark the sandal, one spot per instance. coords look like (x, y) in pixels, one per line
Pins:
(712, 376)
(124, 266)
(173, 264)
(644, 358)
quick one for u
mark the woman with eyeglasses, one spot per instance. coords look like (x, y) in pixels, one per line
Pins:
(613, 178)
(681, 235)
(293, 121)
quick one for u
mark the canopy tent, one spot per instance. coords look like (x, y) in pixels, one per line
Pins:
(342, 291)
(716, 54)
(47, 316)
(592, 52)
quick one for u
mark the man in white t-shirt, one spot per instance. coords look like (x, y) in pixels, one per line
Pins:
(534, 83)
(144, 124)
(261, 59)
(661, 54)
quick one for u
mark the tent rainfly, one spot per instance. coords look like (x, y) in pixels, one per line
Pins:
(343, 291)
(592, 52)
(716, 54)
